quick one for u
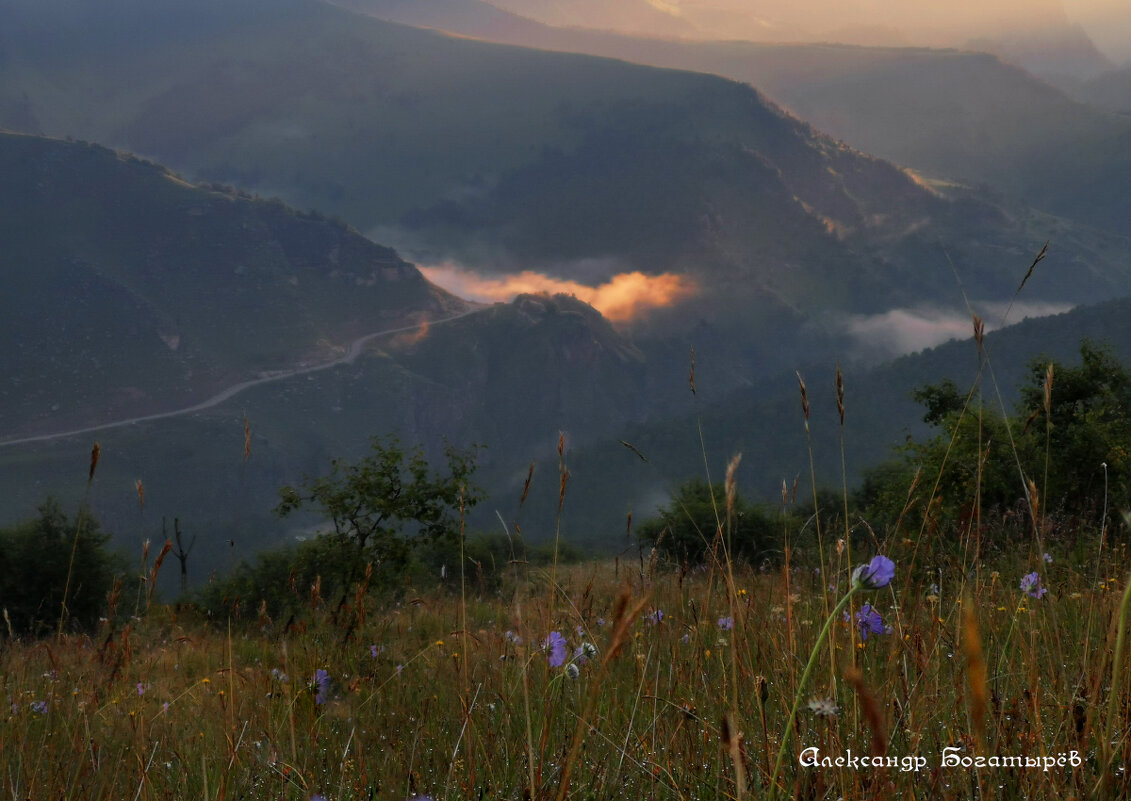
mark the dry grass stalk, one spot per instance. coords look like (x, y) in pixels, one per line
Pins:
(691, 376)
(732, 743)
(152, 580)
(634, 449)
(1115, 696)
(625, 613)
(804, 399)
(975, 671)
(1034, 501)
(140, 494)
(316, 593)
(871, 709)
(732, 484)
(1048, 389)
(562, 489)
(840, 393)
(762, 693)
(526, 485)
(95, 453)
(246, 438)
(1036, 261)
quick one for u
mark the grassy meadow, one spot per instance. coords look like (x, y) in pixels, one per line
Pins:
(669, 684)
(953, 652)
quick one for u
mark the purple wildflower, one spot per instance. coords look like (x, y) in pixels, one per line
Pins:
(726, 623)
(141, 688)
(870, 622)
(655, 617)
(874, 575)
(322, 683)
(1031, 585)
(1048, 558)
(373, 651)
(556, 645)
(512, 637)
(601, 622)
(39, 707)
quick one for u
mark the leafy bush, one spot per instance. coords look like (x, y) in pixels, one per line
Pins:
(691, 524)
(1056, 462)
(35, 557)
(392, 520)
(388, 504)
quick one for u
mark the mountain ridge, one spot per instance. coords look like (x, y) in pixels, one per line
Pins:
(134, 288)
(948, 113)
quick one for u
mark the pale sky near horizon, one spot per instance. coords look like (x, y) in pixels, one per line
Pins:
(1107, 22)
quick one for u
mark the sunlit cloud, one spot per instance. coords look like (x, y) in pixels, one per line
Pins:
(899, 331)
(620, 299)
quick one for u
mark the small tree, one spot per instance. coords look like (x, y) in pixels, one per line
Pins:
(1069, 440)
(1086, 426)
(686, 528)
(388, 503)
(34, 558)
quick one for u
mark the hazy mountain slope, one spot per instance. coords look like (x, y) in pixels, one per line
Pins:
(948, 113)
(508, 152)
(766, 424)
(360, 118)
(128, 291)
(501, 386)
(513, 378)
(1060, 54)
(1112, 91)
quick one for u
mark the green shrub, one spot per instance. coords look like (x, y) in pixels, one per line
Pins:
(689, 526)
(35, 557)
(1054, 464)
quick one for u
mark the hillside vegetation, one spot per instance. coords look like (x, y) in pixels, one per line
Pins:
(507, 158)
(130, 291)
(949, 114)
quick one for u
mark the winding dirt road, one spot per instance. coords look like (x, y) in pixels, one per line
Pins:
(351, 354)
